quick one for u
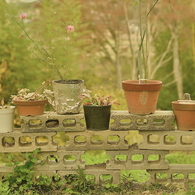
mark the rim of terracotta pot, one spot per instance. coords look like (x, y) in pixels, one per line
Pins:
(135, 85)
(35, 102)
(69, 81)
(179, 105)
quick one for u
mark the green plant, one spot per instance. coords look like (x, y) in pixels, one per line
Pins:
(96, 100)
(40, 94)
(60, 34)
(80, 183)
(20, 180)
(143, 31)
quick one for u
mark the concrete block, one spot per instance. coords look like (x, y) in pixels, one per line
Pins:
(177, 173)
(17, 141)
(51, 121)
(61, 160)
(96, 140)
(137, 159)
(160, 120)
(168, 140)
(101, 175)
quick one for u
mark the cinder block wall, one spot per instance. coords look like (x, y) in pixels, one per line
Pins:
(156, 130)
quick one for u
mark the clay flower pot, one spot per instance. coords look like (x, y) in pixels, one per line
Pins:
(97, 117)
(141, 98)
(30, 108)
(184, 114)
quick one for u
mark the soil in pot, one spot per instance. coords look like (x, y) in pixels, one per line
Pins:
(97, 117)
(141, 98)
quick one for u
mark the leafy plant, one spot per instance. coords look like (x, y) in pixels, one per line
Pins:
(96, 100)
(20, 180)
(3, 105)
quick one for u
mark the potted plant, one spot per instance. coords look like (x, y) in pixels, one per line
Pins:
(32, 103)
(142, 94)
(67, 92)
(97, 111)
(184, 111)
(6, 117)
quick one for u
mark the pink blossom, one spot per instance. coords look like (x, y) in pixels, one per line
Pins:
(70, 28)
(23, 15)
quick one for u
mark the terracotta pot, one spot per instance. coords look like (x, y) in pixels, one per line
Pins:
(6, 119)
(68, 95)
(141, 98)
(30, 108)
(97, 117)
(185, 115)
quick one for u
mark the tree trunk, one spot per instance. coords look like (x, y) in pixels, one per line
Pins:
(177, 70)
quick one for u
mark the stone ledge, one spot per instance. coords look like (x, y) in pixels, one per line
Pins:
(168, 140)
(51, 121)
(144, 163)
(160, 120)
(17, 141)
(177, 173)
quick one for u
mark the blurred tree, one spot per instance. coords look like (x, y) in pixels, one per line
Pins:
(16, 68)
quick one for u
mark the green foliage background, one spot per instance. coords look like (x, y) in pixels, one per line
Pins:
(20, 69)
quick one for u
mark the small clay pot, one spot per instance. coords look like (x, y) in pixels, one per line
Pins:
(185, 115)
(30, 108)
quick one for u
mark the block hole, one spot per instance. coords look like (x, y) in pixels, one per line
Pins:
(153, 139)
(69, 122)
(120, 158)
(25, 141)
(162, 177)
(113, 139)
(92, 157)
(170, 139)
(124, 122)
(90, 177)
(52, 123)
(69, 159)
(80, 139)
(142, 122)
(96, 139)
(35, 124)
(158, 122)
(137, 158)
(186, 140)
(153, 158)
(60, 139)
(82, 122)
(191, 176)
(106, 178)
(42, 140)
(177, 177)
(53, 159)
(8, 142)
